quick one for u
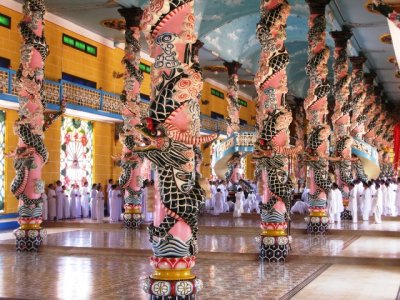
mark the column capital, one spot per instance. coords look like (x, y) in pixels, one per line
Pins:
(369, 78)
(232, 67)
(132, 15)
(317, 6)
(196, 47)
(358, 61)
(341, 37)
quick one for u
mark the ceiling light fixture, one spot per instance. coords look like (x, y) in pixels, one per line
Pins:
(216, 72)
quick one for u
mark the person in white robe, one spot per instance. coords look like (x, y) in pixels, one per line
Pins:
(85, 200)
(304, 195)
(52, 202)
(335, 204)
(72, 201)
(359, 186)
(238, 208)
(353, 201)
(252, 202)
(100, 205)
(78, 202)
(392, 198)
(93, 203)
(115, 205)
(367, 201)
(108, 194)
(67, 208)
(218, 203)
(373, 195)
(45, 207)
(377, 204)
(385, 198)
(60, 201)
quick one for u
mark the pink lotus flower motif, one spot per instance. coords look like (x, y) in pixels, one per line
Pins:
(84, 140)
(67, 138)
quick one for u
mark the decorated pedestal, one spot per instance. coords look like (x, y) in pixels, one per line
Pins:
(172, 279)
(132, 216)
(275, 241)
(317, 221)
(30, 235)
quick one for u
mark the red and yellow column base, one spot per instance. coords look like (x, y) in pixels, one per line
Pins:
(132, 216)
(318, 220)
(274, 242)
(29, 236)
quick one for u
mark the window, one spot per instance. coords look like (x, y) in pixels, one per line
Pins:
(5, 63)
(76, 151)
(216, 116)
(79, 80)
(242, 122)
(2, 159)
(217, 93)
(79, 45)
(5, 21)
(242, 102)
(145, 68)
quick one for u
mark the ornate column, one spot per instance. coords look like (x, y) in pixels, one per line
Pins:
(31, 154)
(372, 111)
(341, 116)
(273, 120)
(357, 101)
(388, 12)
(358, 96)
(315, 105)
(233, 103)
(131, 163)
(171, 133)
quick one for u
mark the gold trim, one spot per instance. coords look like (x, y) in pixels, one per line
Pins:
(318, 214)
(215, 68)
(117, 24)
(370, 8)
(392, 59)
(386, 38)
(182, 274)
(274, 232)
(133, 211)
(30, 226)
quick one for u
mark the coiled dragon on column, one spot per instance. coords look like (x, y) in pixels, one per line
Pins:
(273, 120)
(341, 116)
(31, 153)
(131, 179)
(170, 135)
(315, 105)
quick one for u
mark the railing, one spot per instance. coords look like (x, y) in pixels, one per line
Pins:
(242, 142)
(92, 100)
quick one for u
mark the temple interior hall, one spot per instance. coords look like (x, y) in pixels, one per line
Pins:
(200, 149)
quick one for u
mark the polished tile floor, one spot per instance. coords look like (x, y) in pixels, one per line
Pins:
(69, 267)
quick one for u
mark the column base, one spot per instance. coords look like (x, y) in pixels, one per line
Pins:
(172, 289)
(274, 248)
(346, 215)
(132, 220)
(317, 225)
(29, 240)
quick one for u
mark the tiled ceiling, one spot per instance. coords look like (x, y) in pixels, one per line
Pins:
(227, 28)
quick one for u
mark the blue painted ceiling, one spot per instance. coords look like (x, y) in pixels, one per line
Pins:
(227, 27)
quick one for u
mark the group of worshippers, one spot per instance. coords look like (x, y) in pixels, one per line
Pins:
(224, 198)
(366, 199)
(61, 204)
(375, 198)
